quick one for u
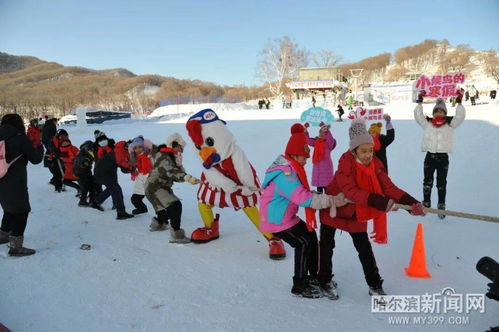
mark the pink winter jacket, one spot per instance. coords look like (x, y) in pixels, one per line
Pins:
(323, 171)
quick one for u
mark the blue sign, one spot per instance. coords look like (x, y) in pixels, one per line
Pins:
(315, 115)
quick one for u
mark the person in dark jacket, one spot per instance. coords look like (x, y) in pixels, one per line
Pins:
(340, 111)
(381, 141)
(14, 197)
(48, 132)
(102, 145)
(106, 173)
(82, 168)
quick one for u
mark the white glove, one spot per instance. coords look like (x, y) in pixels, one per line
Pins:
(320, 201)
(248, 191)
(339, 200)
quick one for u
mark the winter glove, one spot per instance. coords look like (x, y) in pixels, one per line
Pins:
(248, 191)
(320, 201)
(191, 179)
(459, 97)
(380, 202)
(339, 200)
(388, 120)
(417, 209)
(421, 95)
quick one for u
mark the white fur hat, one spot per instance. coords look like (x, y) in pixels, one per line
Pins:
(175, 137)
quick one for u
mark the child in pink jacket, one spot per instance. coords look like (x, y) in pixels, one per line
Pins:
(285, 189)
(322, 170)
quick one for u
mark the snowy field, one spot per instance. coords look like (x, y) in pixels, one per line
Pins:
(134, 280)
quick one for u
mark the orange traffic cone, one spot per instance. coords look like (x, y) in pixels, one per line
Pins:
(417, 265)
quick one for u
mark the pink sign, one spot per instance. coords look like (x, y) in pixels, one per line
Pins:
(440, 85)
(368, 115)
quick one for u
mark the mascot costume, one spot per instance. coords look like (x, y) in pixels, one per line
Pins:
(228, 179)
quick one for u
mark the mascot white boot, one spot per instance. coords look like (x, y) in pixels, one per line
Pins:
(228, 179)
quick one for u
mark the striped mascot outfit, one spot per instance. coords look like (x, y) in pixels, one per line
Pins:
(228, 178)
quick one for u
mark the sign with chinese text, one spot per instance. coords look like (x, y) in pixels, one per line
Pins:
(366, 114)
(315, 115)
(440, 86)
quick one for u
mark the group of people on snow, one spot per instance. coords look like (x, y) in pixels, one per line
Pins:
(358, 191)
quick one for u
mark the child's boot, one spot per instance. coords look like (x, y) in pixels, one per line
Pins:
(301, 288)
(276, 249)
(178, 236)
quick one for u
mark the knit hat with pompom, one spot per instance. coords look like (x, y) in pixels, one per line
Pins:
(358, 134)
(297, 144)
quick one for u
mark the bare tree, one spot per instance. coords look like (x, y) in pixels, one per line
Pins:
(491, 63)
(457, 60)
(281, 60)
(326, 58)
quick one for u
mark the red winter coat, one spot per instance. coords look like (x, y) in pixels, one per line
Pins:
(344, 181)
(68, 154)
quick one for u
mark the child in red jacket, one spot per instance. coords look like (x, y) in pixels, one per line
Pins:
(363, 180)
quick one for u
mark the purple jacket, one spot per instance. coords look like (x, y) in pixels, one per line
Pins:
(323, 171)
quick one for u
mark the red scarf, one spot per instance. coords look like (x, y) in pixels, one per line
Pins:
(302, 176)
(102, 150)
(377, 143)
(167, 150)
(144, 165)
(319, 150)
(438, 122)
(366, 179)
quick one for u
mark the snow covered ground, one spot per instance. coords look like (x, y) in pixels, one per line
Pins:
(134, 280)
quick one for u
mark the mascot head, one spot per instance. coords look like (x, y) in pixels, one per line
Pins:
(211, 137)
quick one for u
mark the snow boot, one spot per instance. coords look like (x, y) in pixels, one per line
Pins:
(4, 237)
(441, 206)
(97, 206)
(205, 234)
(155, 226)
(17, 249)
(426, 204)
(302, 288)
(123, 215)
(178, 236)
(376, 291)
(139, 211)
(328, 290)
(83, 203)
(276, 249)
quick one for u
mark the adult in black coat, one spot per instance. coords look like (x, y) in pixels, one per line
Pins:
(14, 197)
(48, 131)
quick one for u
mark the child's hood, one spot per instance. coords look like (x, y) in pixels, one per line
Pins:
(280, 165)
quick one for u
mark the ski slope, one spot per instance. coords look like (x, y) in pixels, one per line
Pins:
(134, 280)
